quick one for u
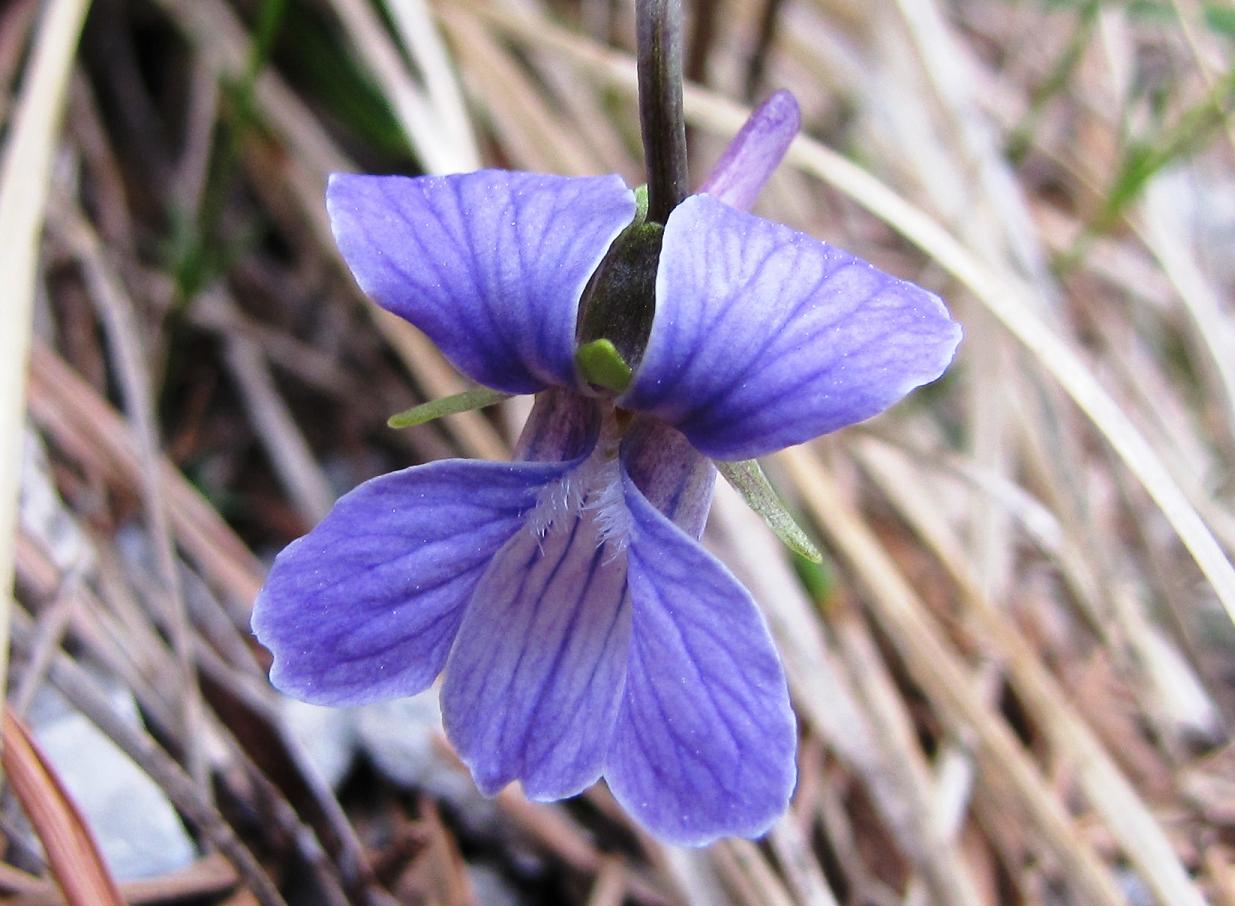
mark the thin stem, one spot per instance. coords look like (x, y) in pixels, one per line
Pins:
(658, 32)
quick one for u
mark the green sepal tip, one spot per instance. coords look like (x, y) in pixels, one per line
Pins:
(449, 405)
(641, 204)
(749, 481)
(601, 364)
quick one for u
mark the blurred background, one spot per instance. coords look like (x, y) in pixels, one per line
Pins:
(1015, 671)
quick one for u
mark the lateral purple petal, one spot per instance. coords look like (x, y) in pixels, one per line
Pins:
(670, 473)
(366, 606)
(765, 337)
(748, 161)
(705, 739)
(562, 425)
(490, 264)
(534, 680)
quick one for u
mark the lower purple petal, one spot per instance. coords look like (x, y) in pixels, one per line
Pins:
(366, 606)
(705, 739)
(535, 677)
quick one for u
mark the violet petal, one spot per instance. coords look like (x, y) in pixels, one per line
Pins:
(765, 337)
(705, 740)
(670, 473)
(752, 155)
(562, 425)
(489, 264)
(366, 605)
(534, 680)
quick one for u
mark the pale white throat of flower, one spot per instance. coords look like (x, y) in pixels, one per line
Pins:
(594, 488)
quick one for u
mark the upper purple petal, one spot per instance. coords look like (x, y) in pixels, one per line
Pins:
(366, 606)
(705, 740)
(765, 337)
(755, 152)
(489, 264)
(534, 680)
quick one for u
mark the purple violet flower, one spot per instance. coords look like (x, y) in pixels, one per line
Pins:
(583, 630)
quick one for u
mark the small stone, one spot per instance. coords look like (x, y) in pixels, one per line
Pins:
(327, 736)
(489, 886)
(403, 739)
(1134, 887)
(134, 824)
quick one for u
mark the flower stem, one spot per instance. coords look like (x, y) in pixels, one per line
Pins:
(658, 33)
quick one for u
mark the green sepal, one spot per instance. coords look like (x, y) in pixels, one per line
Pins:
(601, 364)
(753, 485)
(641, 205)
(620, 300)
(460, 402)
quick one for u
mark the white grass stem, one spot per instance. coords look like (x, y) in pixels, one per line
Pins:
(24, 178)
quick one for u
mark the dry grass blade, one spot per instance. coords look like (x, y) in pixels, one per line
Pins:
(71, 851)
(801, 869)
(121, 322)
(210, 877)
(1213, 327)
(437, 147)
(24, 178)
(1127, 815)
(537, 138)
(561, 837)
(748, 874)
(419, 33)
(930, 661)
(72, 411)
(287, 448)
